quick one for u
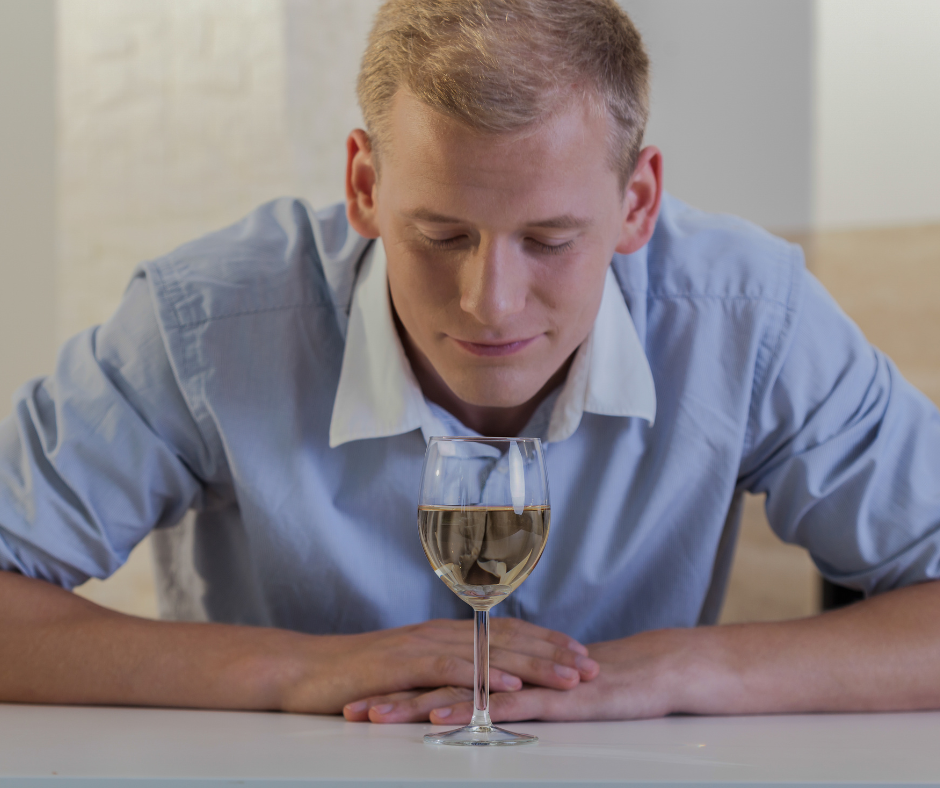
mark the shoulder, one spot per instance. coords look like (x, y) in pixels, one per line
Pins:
(699, 255)
(275, 258)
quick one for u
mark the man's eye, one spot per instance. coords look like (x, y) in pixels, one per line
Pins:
(446, 243)
(551, 248)
(460, 240)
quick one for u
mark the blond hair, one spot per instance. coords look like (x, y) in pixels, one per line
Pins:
(498, 66)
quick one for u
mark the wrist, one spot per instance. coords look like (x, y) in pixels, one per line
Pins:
(703, 674)
(312, 674)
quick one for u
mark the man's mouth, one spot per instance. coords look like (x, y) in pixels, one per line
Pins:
(495, 348)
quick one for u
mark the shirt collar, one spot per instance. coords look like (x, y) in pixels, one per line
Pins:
(378, 395)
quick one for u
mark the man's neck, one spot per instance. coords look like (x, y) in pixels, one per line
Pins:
(491, 422)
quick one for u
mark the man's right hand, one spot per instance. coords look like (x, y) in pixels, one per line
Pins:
(56, 647)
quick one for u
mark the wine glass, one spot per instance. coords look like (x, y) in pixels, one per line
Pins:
(483, 518)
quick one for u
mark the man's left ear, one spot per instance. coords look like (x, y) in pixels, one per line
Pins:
(642, 196)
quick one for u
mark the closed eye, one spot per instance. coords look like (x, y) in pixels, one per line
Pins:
(446, 243)
(452, 243)
(550, 248)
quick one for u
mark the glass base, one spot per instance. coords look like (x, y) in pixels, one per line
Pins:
(479, 735)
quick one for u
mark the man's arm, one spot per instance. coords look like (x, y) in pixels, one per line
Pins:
(882, 654)
(56, 647)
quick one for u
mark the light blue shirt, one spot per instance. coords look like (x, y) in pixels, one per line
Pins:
(251, 388)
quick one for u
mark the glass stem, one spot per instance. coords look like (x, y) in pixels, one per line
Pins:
(481, 668)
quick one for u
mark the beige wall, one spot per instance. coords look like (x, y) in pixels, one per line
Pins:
(324, 42)
(172, 124)
(732, 104)
(179, 116)
(877, 159)
(27, 193)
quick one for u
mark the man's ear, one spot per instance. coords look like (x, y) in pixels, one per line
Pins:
(642, 196)
(361, 182)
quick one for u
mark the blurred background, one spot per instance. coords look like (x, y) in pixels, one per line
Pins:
(131, 126)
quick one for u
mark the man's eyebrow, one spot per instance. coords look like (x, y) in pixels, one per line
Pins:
(425, 215)
(564, 222)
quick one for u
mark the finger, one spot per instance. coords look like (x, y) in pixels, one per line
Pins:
(537, 704)
(529, 704)
(522, 638)
(358, 711)
(418, 708)
(564, 670)
(510, 669)
(502, 681)
(501, 629)
(446, 669)
(548, 659)
(512, 628)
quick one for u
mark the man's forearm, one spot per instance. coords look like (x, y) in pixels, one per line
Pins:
(56, 647)
(878, 655)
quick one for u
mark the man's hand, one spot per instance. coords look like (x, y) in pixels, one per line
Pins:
(634, 682)
(438, 654)
(630, 684)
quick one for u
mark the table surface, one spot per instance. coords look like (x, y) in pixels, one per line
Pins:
(80, 746)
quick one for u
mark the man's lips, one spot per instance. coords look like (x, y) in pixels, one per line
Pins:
(495, 348)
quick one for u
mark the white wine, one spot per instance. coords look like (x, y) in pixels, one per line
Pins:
(483, 553)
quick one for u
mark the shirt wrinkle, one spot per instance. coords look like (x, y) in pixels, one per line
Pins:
(781, 336)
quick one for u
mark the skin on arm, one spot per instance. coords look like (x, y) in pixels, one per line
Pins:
(56, 647)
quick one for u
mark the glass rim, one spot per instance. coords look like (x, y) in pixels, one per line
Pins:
(479, 439)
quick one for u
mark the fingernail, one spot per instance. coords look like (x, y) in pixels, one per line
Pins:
(586, 664)
(573, 645)
(445, 712)
(565, 672)
(385, 708)
(513, 682)
(359, 705)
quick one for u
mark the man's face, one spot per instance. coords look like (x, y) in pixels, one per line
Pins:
(497, 245)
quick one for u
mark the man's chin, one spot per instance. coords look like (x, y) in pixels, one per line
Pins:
(495, 394)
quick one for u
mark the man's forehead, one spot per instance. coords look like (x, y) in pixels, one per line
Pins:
(416, 126)
(549, 177)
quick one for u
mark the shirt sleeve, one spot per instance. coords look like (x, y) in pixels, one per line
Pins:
(99, 453)
(847, 451)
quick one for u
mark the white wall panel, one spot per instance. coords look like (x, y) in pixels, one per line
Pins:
(878, 112)
(325, 40)
(732, 103)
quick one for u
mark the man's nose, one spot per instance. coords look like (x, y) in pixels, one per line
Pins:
(493, 282)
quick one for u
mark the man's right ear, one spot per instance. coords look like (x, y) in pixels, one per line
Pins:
(361, 184)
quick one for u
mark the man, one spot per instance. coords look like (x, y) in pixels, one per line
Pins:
(507, 264)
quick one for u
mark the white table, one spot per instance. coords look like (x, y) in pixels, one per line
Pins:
(145, 748)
